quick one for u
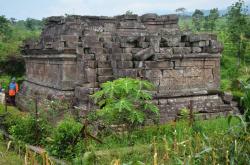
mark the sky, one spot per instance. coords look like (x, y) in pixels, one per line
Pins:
(38, 9)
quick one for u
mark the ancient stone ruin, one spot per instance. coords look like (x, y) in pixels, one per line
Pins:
(76, 54)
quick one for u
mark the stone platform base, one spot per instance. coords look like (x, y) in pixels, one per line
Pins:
(31, 91)
(204, 106)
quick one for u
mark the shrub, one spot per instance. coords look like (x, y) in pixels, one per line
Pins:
(246, 101)
(29, 130)
(184, 113)
(66, 140)
(125, 101)
(9, 118)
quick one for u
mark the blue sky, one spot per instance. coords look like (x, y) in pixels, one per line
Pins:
(21, 9)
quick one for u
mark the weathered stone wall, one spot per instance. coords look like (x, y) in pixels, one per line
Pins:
(77, 53)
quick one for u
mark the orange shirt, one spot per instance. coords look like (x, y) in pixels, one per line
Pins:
(13, 90)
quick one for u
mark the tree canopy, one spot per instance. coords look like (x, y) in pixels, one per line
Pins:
(197, 18)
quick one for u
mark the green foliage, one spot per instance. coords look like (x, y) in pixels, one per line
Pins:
(10, 118)
(246, 101)
(197, 19)
(204, 142)
(13, 66)
(210, 20)
(184, 113)
(12, 34)
(30, 130)
(237, 27)
(239, 150)
(9, 157)
(33, 24)
(5, 29)
(125, 101)
(66, 142)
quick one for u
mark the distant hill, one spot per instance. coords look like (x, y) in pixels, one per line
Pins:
(222, 11)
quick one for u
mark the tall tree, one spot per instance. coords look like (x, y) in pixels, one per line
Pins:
(30, 24)
(210, 20)
(238, 27)
(197, 18)
(5, 29)
(13, 20)
(180, 10)
(213, 16)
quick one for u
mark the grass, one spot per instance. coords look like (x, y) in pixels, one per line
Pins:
(145, 136)
(8, 157)
(138, 146)
(178, 140)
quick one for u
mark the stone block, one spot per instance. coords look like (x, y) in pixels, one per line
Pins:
(102, 79)
(83, 93)
(104, 72)
(153, 73)
(144, 54)
(173, 73)
(214, 47)
(127, 73)
(139, 64)
(101, 57)
(90, 64)
(170, 41)
(124, 64)
(90, 75)
(143, 45)
(227, 97)
(200, 44)
(104, 64)
(116, 48)
(122, 56)
(157, 64)
(192, 72)
(202, 37)
(89, 56)
(127, 45)
(149, 17)
(181, 50)
(155, 43)
(135, 50)
(196, 50)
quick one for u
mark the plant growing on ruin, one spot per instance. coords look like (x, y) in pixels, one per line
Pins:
(125, 101)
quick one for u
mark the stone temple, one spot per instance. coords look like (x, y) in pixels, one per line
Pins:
(75, 54)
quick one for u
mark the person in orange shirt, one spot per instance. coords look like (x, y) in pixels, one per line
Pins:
(13, 89)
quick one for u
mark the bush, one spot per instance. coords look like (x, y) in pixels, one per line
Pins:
(9, 118)
(66, 140)
(126, 101)
(246, 101)
(13, 65)
(29, 130)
